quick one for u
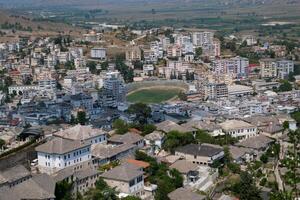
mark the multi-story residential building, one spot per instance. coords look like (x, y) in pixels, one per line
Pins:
(165, 41)
(236, 67)
(239, 129)
(268, 68)
(250, 40)
(133, 53)
(202, 38)
(239, 90)
(284, 68)
(279, 50)
(215, 90)
(114, 83)
(82, 101)
(217, 47)
(58, 153)
(126, 178)
(63, 57)
(174, 51)
(201, 154)
(98, 53)
(79, 62)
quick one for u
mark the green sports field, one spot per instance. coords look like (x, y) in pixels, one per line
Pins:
(153, 95)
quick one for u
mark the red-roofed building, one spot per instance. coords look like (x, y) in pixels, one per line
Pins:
(138, 163)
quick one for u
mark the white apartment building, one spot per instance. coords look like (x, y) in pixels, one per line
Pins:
(239, 129)
(59, 153)
(79, 62)
(98, 53)
(284, 67)
(268, 68)
(202, 38)
(64, 57)
(236, 67)
(250, 40)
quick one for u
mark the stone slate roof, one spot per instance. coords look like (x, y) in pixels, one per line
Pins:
(235, 124)
(128, 138)
(59, 145)
(14, 173)
(257, 142)
(208, 150)
(40, 186)
(184, 166)
(79, 132)
(167, 126)
(107, 151)
(155, 135)
(183, 193)
(238, 152)
(125, 172)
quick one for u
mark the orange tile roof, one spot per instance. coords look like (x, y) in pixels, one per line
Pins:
(138, 163)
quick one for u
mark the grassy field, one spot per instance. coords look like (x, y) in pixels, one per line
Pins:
(153, 95)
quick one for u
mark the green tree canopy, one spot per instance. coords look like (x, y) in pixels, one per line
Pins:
(81, 117)
(120, 126)
(176, 139)
(246, 188)
(285, 86)
(141, 111)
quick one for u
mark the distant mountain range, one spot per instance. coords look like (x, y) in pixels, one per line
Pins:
(109, 3)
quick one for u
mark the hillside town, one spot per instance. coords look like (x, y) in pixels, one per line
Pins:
(76, 122)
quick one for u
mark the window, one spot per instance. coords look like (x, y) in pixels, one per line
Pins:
(69, 156)
(65, 157)
(195, 157)
(139, 179)
(131, 183)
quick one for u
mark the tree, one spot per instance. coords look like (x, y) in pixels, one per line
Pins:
(291, 77)
(124, 69)
(69, 65)
(246, 188)
(2, 143)
(264, 158)
(285, 86)
(167, 180)
(101, 191)
(176, 139)
(285, 125)
(182, 96)
(92, 67)
(63, 190)
(296, 116)
(131, 198)
(120, 126)
(104, 65)
(141, 111)
(148, 128)
(292, 162)
(81, 117)
(198, 52)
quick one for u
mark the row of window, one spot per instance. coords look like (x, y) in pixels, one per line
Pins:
(76, 153)
(242, 130)
(134, 181)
